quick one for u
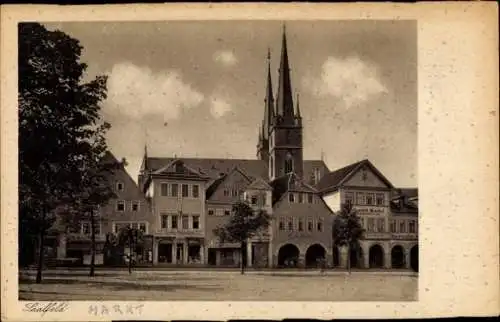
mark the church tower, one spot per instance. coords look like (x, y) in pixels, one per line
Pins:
(263, 145)
(285, 130)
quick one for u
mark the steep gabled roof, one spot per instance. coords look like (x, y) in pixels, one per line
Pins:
(214, 168)
(216, 183)
(333, 180)
(289, 182)
(132, 190)
(259, 184)
(177, 168)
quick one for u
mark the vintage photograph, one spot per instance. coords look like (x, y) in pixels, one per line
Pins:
(255, 160)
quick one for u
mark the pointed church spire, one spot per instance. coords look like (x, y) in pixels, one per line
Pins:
(297, 114)
(269, 108)
(284, 106)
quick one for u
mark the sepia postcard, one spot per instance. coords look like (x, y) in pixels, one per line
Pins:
(242, 161)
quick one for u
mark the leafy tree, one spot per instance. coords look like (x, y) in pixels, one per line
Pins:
(59, 126)
(347, 230)
(244, 223)
(131, 238)
(95, 189)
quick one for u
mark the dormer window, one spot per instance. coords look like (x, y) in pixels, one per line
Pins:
(317, 175)
(179, 167)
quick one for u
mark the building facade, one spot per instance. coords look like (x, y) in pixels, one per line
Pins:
(185, 199)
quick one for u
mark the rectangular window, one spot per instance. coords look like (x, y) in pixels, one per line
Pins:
(381, 225)
(185, 222)
(319, 226)
(380, 199)
(254, 200)
(97, 228)
(360, 198)
(402, 226)
(196, 222)
(227, 212)
(185, 190)
(234, 192)
(301, 198)
(86, 228)
(135, 205)
(164, 221)
(142, 227)
(411, 227)
(349, 198)
(226, 193)
(281, 224)
(174, 221)
(175, 188)
(371, 224)
(164, 189)
(393, 226)
(119, 186)
(120, 227)
(210, 212)
(290, 224)
(291, 197)
(120, 205)
(369, 199)
(301, 225)
(309, 198)
(309, 225)
(196, 191)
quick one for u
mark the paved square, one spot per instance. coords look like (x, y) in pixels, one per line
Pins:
(221, 286)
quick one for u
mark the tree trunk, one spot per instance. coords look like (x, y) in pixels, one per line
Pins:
(130, 253)
(242, 246)
(92, 243)
(349, 258)
(41, 249)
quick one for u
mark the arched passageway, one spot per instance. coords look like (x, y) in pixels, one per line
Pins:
(288, 256)
(315, 255)
(397, 257)
(376, 256)
(414, 258)
(356, 257)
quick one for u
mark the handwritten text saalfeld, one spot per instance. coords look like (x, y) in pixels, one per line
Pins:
(44, 307)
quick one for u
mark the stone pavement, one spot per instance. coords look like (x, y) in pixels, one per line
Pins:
(202, 285)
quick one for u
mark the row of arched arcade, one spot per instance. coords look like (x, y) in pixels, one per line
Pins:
(396, 257)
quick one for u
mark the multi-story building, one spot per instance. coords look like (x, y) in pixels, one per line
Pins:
(188, 198)
(389, 220)
(129, 208)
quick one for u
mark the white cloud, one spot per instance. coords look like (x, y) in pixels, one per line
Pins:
(219, 107)
(352, 80)
(225, 57)
(137, 91)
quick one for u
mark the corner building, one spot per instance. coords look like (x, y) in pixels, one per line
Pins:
(189, 197)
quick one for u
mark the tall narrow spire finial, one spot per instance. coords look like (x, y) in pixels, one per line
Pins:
(269, 101)
(284, 99)
(298, 107)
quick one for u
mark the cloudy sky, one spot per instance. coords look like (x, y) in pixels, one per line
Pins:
(196, 89)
